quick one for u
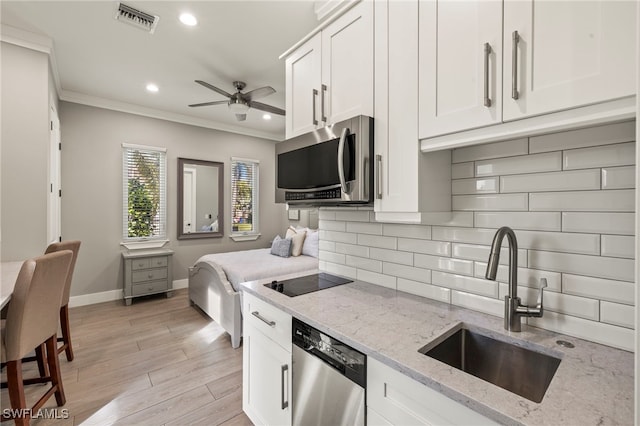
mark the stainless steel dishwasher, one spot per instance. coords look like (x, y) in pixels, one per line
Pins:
(328, 379)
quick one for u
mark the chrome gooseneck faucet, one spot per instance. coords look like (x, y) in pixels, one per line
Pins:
(513, 310)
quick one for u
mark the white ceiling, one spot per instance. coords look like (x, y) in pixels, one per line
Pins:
(103, 62)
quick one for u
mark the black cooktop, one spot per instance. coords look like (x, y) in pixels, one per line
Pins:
(307, 284)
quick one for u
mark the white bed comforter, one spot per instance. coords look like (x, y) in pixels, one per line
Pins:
(250, 265)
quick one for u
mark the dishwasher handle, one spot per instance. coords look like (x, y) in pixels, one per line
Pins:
(283, 369)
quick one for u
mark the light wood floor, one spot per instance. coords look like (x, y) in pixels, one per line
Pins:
(156, 362)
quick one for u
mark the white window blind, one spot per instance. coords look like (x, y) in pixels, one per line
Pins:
(144, 183)
(244, 196)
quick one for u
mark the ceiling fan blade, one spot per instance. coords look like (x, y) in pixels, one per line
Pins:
(267, 108)
(214, 88)
(209, 103)
(241, 117)
(258, 93)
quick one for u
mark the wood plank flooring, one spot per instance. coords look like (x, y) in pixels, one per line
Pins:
(156, 362)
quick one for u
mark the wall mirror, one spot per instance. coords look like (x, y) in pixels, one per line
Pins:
(200, 199)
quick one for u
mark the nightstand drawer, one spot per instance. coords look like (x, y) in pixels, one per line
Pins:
(149, 275)
(150, 287)
(140, 264)
(158, 262)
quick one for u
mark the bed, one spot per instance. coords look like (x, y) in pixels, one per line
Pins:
(214, 282)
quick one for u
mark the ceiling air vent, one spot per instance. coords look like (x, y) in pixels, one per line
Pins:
(137, 18)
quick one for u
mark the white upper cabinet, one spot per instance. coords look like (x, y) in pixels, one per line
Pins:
(567, 54)
(329, 78)
(491, 62)
(460, 65)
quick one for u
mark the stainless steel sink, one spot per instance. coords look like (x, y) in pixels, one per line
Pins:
(517, 369)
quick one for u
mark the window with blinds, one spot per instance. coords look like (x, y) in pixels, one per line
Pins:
(144, 180)
(244, 196)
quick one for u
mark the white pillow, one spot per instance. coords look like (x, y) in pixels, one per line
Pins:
(297, 240)
(311, 243)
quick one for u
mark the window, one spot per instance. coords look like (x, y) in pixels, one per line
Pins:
(144, 172)
(244, 198)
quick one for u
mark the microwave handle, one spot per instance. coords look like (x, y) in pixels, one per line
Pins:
(344, 185)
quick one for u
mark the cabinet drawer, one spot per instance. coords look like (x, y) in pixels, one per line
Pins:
(139, 264)
(158, 262)
(149, 275)
(150, 287)
(271, 321)
(401, 400)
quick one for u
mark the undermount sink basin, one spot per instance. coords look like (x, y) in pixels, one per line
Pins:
(517, 369)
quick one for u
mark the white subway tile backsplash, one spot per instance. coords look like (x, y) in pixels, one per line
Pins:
(606, 334)
(463, 235)
(619, 200)
(475, 186)
(616, 314)
(327, 245)
(619, 177)
(378, 241)
(606, 223)
(526, 277)
(407, 272)
(462, 219)
(599, 288)
(536, 221)
(424, 290)
(555, 181)
(339, 237)
(536, 163)
(489, 202)
(334, 268)
(353, 249)
(364, 228)
(478, 303)
(353, 215)
(328, 256)
(600, 156)
(456, 266)
(332, 225)
(481, 253)
(375, 278)
(466, 284)
(558, 302)
(592, 136)
(439, 248)
(579, 264)
(508, 148)
(363, 263)
(618, 246)
(462, 170)
(404, 258)
(409, 231)
(559, 241)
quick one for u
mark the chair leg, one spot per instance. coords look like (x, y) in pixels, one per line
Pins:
(41, 359)
(66, 333)
(16, 392)
(54, 368)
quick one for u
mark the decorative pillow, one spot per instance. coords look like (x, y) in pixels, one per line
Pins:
(297, 240)
(281, 247)
(311, 243)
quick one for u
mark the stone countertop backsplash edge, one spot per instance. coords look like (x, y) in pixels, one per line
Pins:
(593, 384)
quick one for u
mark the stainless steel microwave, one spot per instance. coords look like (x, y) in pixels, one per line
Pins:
(329, 166)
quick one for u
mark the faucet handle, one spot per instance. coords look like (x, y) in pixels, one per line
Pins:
(538, 310)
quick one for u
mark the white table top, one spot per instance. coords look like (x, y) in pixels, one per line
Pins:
(9, 274)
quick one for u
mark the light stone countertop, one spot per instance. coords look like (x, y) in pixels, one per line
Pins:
(592, 386)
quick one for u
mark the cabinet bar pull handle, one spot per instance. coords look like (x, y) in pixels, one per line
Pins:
(263, 319)
(313, 106)
(324, 90)
(344, 185)
(487, 53)
(514, 65)
(283, 369)
(378, 176)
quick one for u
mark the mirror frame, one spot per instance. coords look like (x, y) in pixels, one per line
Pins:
(204, 234)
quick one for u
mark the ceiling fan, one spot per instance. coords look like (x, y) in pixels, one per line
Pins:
(239, 103)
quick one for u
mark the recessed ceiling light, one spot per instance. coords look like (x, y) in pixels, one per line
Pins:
(266, 117)
(188, 19)
(152, 88)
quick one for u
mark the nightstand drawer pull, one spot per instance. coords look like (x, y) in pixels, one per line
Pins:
(263, 319)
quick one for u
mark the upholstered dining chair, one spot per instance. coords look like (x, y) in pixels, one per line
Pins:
(32, 319)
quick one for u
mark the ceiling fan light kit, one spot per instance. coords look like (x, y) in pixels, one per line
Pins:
(239, 103)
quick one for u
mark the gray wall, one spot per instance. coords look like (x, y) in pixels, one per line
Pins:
(92, 188)
(25, 151)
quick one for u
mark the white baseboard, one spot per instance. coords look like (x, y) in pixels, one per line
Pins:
(109, 296)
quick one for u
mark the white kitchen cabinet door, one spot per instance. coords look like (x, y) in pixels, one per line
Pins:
(347, 65)
(567, 54)
(302, 97)
(266, 379)
(460, 65)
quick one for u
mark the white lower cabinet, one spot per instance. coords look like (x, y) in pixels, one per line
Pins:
(266, 373)
(395, 399)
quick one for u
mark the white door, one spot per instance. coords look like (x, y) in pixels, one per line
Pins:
(189, 200)
(54, 204)
(460, 65)
(567, 54)
(303, 88)
(347, 65)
